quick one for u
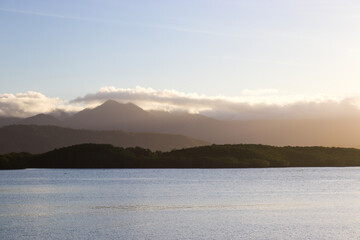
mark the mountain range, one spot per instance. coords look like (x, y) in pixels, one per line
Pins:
(111, 115)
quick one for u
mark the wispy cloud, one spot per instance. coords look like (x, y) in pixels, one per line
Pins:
(52, 15)
(98, 20)
(184, 29)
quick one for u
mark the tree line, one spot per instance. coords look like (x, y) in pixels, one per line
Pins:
(211, 156)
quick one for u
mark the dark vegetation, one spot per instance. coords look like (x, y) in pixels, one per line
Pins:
(214, 156)
(15, 160)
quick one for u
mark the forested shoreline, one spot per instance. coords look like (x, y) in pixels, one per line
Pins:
(212, 156)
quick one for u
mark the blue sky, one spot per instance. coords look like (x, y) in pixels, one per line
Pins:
(68, 49)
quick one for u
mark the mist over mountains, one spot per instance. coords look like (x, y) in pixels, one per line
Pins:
(111, 115)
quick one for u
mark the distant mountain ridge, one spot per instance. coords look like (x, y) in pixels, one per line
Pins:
(5, 121)
(40, 119)
(111, 115)
(39, 139)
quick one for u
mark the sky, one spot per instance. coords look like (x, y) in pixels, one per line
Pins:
(222, 57)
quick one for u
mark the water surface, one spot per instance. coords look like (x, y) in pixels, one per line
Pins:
(283, 203)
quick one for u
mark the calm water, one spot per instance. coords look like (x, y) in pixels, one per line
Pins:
(289, 203)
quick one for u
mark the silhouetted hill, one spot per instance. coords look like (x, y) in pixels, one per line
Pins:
(39, 139)
(40, 119)
(60, 114)
(256, 155)
(5, 121)
(214, 156)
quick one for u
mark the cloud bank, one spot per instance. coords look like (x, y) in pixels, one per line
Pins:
(31, 103)
(249, 105)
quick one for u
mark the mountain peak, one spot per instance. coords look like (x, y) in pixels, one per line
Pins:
(110, 102)
(109, 115)
(112, 105)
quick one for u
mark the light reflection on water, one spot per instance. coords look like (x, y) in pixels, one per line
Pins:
(200, 207)
(288, 203)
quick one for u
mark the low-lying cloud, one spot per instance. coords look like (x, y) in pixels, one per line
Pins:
(249, 105)
(31, 103)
